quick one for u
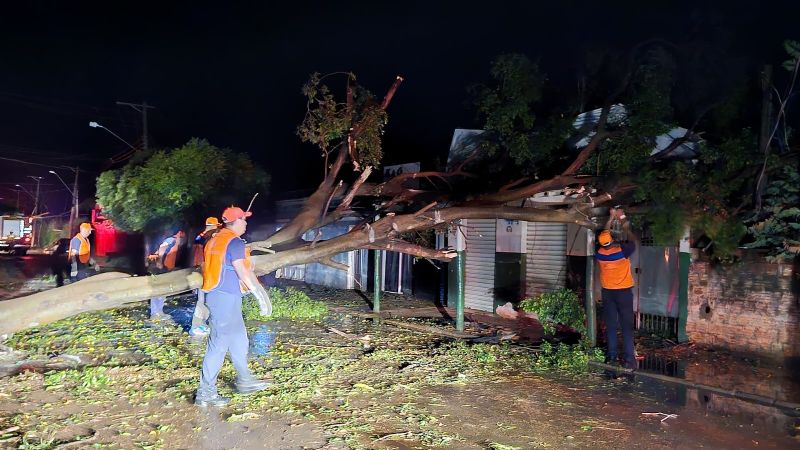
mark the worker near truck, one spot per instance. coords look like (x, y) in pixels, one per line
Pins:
(80, 254)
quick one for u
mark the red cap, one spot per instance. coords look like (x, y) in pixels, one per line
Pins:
(234, 212)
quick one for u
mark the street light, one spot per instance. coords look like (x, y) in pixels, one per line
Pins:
(22, 189)
(97, 125)
(73, 210)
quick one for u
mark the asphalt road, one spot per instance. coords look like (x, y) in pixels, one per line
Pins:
(20, 268)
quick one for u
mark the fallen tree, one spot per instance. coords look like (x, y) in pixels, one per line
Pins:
(347, 133)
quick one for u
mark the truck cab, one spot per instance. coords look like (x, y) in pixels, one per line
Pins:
(16, 234)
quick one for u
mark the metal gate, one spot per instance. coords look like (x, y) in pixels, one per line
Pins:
(658, 270)
(546, 258)
(479, 264)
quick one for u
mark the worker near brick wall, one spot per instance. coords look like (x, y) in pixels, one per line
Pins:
(616, 280)
(227, 275)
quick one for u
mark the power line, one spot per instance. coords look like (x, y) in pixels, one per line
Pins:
(50, 166)
(11, 150)
(61, 107)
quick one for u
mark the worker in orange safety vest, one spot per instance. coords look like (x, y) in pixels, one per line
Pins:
(227, 275)
(200, 317)
(166, 258)
(80, 254)
(616, 280)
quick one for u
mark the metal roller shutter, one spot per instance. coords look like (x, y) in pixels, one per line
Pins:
(479, 264)
(546, 266)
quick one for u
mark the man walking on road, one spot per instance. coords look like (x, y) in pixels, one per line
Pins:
(616, 280)
(80, 254)
(227, 275)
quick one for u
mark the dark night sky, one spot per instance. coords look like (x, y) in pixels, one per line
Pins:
(233, 74)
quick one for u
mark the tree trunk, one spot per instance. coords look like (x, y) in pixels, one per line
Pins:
(103, 291)
(382, 228)
(112, 290)
(765, 132)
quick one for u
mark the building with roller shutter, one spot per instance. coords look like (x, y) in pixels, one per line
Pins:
(507, 261)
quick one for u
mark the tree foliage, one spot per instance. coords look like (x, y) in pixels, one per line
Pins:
(777, 226)
(661, 87)
(179, 186)
(506, 106)
(328, 120)
(559, 307)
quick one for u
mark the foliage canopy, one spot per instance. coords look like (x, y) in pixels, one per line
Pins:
(663, 89)
(328, 120)
(179, 186)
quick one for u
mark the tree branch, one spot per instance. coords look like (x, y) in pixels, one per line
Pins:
(509, 195)
(390, 93)
(400, 246)
(313, 208)
(348, 199)
(601, 133)
(595, 142)
(334, 264)
(513, 184)
(781, 110)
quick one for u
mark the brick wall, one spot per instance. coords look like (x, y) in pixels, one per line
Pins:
(752, 306)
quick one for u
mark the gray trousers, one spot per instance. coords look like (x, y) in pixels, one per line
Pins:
(228, 335)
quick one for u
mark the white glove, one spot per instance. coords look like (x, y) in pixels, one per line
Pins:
(264, 303)
(74, 270)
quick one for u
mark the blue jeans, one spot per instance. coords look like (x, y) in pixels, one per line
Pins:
(618, 313)
(228, 335)
(83, 273)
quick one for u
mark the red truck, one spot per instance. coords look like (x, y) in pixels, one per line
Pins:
(16, 234)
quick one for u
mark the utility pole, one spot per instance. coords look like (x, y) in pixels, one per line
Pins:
(73, 214)
(36, 199)
(142, 108)
(73, 210)
(36, 210)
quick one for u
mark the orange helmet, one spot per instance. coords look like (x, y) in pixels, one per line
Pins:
(86, 226)
(604, 238)
(212, 222)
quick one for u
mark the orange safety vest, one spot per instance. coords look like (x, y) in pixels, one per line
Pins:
(198, 248)
(170, 257)
(214, 256)
(615, 268)
(83, 251)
